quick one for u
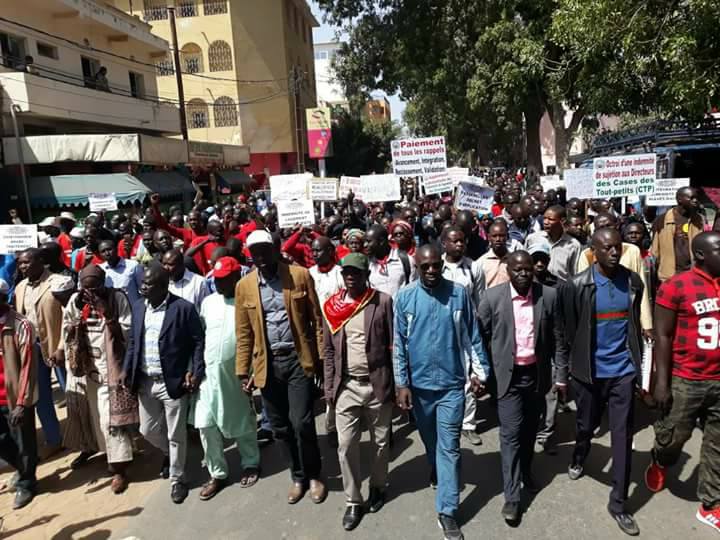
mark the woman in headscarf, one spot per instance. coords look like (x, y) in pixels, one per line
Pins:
(401, 235)
(96, 322)
(353, 242)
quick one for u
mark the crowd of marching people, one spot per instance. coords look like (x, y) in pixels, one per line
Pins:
(161, 324)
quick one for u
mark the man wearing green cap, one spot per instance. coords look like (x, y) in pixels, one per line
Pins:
(358, 330)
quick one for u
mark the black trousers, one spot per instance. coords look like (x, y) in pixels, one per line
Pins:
(519, 413)
(617, 393)
(288, 397)
(18, 447)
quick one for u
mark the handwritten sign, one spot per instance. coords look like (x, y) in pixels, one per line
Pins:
(291, 213)
(416, 157)
(288, 187)
(347, 184)
(458, 174)
(102, 202)
(579, 183)
(474, 197)
(666, 191)
(623, 176)
(324, 189)
(14, 238)
(437, 183)
(551, 181)
(380, 188)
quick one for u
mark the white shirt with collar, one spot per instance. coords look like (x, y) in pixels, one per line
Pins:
(190, 287)
(127, 275)
(326, 283)
(389, 277)
(468, 274)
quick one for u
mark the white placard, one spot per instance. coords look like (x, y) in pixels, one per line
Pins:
(437, 183)
(347, 184)
(380, 188)
(621, 176)
(102, 202)
(14, 238)
(324, 189)
(551, 181)
(665, 193)
(458, 174)
(474, 197)
(290, 213)
(416, 157)
(579, 183)
(647, 365)
(288, 187)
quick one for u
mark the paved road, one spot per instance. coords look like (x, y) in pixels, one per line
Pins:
(563, 509)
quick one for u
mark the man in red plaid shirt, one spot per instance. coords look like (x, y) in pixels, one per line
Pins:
(687, 356)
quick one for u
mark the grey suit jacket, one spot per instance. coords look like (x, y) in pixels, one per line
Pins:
(498, 327)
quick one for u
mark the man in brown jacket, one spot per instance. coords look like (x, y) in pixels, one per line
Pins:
(18, 396)
(279, 333)
(358, 335)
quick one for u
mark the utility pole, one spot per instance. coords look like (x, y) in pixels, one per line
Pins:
(294, 84)
(178, 73)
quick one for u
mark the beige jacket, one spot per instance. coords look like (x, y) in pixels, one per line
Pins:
(663, 242)
(49, 314)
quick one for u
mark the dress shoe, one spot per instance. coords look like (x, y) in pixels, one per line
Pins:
(511, 512)
(297, 490)
(318, 491)
(178, 492)
(450, 528)
(626, 523)
(23, 497)
(265, 436)
(211, 488)
(165, 469)
(352, 517)
(376, 500)
(81, 460)
(119, 483)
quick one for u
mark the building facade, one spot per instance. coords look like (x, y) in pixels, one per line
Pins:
(247, 72)
(329, 90)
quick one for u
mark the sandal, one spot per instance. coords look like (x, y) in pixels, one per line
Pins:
(249, 477)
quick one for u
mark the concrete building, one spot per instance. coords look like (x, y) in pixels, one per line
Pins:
(329, 91)
(237, 59)
(377, 110)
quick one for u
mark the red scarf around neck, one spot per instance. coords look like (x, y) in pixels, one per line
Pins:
(340, 308)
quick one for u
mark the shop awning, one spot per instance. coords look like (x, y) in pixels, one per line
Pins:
(229, 181)
(73, 189)
(166, 183)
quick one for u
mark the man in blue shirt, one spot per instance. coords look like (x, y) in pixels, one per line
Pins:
(437, 346)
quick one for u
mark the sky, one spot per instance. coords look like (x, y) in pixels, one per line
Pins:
(327, 33)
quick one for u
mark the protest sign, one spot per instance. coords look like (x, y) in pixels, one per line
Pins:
(473, 197)
(380, 188)
(101, 202)
(299, 211)
(324, 189)
(347, 184)
(14, 238)
(665, 191)
(579, 183)
(551, 181)
(437, 183)
(458, 174)
(416, 157)
(621, 176)
(288, 187)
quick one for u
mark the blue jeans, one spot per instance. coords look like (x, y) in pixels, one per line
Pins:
(439, 417)
(45, 405)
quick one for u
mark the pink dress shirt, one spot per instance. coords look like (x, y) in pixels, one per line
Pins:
(524, 327)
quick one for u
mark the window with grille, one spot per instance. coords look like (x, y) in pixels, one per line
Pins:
(197, 114)
(220, 56)
(164, 67)
(214, 7)
(225, 112)
(187, 8)
(155, 10)
(192, 60)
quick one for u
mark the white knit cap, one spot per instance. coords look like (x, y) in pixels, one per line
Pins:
(259, 237)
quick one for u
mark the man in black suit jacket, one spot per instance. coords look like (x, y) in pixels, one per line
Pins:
(164, 362)
(520, 320)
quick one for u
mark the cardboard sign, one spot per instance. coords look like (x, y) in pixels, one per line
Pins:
(100, 202)
(324, 189)
(347, 184)
(666, 191)
(291, 213)
(380, 188)
(435, 184)
(288, 187)
(622, 176)
(14, 238)
(416, 157)
(579, 183)
(474, 197)
(551, 181)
